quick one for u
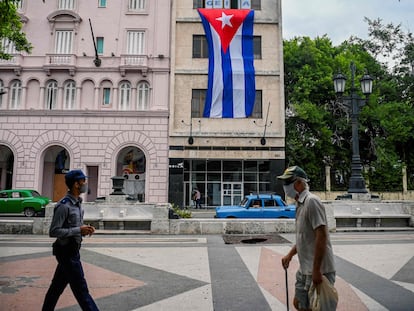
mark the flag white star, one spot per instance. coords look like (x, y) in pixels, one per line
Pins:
(225, 20)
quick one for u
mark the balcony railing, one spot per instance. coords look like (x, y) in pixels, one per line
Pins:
(134, 60)
(60, 61)
(134, 63)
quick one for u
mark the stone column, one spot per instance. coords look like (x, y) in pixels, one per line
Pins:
(328, 178)
(404, 179)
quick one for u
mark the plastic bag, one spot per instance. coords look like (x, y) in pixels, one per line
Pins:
(324, 297)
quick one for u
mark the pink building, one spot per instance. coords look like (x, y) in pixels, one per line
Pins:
(67, 105)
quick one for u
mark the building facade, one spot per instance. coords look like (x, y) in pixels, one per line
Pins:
(224, 159)
(93, 94)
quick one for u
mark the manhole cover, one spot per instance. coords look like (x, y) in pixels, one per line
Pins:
(254, 239)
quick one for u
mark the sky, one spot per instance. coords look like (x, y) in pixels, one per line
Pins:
(340, 19)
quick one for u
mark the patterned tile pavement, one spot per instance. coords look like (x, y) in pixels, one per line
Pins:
(152, 273)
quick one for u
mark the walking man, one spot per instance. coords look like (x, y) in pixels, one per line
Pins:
(197, 198)
(313, 245)
(67, 226)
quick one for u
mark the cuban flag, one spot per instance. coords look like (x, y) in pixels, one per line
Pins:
(231, 79)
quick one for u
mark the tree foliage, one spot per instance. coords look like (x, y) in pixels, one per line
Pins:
(11, 29)
(318, 130)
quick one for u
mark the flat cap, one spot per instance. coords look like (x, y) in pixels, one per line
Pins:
(293, 172)
(75, 175)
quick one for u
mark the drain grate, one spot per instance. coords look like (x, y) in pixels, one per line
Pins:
(254, 239)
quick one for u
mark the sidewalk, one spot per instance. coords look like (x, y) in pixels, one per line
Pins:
(375, 271)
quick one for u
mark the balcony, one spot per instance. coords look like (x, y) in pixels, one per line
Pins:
(60, 62)
(15, 64)
(134, 63)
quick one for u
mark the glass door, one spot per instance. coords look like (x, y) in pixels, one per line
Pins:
(232, 193)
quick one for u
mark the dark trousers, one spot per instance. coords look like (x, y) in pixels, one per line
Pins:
(69, 271)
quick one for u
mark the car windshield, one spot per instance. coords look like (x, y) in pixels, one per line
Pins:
(35, 193)
(244, 202)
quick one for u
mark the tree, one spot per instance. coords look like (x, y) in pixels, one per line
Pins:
(11, 29)
(391, 114)
(317, 126)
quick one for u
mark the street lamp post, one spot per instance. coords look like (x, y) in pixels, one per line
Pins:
(354, 103)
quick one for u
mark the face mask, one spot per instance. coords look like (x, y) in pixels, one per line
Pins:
(83, 188)
(290, 190)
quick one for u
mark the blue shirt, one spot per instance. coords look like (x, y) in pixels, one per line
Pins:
(67, 220)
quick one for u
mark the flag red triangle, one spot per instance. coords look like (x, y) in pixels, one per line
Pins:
(225, 23)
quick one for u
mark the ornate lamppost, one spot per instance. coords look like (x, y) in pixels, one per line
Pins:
(354, 103)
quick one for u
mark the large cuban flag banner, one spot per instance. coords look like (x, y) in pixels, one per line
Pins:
(231, 78)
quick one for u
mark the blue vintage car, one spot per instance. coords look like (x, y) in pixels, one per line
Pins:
(258, 206)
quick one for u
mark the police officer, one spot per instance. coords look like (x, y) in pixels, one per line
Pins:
(67, 226)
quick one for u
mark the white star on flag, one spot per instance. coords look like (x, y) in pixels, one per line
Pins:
(225, 20)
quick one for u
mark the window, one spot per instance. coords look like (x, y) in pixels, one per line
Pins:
(69, 93)
(63, 43)
(135, 41)
(106, 93)
(257, 109)
(66, 4)
(51, 95)
(143, 96)
(200, 46)
(124, 95)
(19, 4)
(100, 45)
(257, 47)
(106, 96)
(102, 3)
(8, 46)
(256, 5)
(198, 4)
(1, 93)
(136, 5)
(15, 94)
(197, 103)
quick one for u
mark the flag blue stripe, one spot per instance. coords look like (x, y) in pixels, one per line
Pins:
(227, 85)
(209, 92)
(248, 56)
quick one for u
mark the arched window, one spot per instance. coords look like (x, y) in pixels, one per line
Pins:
(69, 93)
(15, 94)
(124, 95)
(143, 96)
(106, 93)
(51, 95)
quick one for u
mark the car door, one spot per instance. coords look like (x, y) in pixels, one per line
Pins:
(271, 209)
(14, 204)
(255, 209)
(3, 202)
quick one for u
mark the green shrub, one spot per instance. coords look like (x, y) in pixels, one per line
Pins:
(181, 212)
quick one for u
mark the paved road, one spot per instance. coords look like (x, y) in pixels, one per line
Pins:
(190, 273)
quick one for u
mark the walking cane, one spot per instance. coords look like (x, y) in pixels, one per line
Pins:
(287, 289)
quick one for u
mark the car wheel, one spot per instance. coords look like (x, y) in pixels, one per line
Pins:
(230, 217)
(29, 212)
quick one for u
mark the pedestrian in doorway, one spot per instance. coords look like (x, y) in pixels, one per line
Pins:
(197, 198)
(313, 245)
(68, 229)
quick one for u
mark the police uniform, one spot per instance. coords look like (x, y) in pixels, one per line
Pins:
(65, 226)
